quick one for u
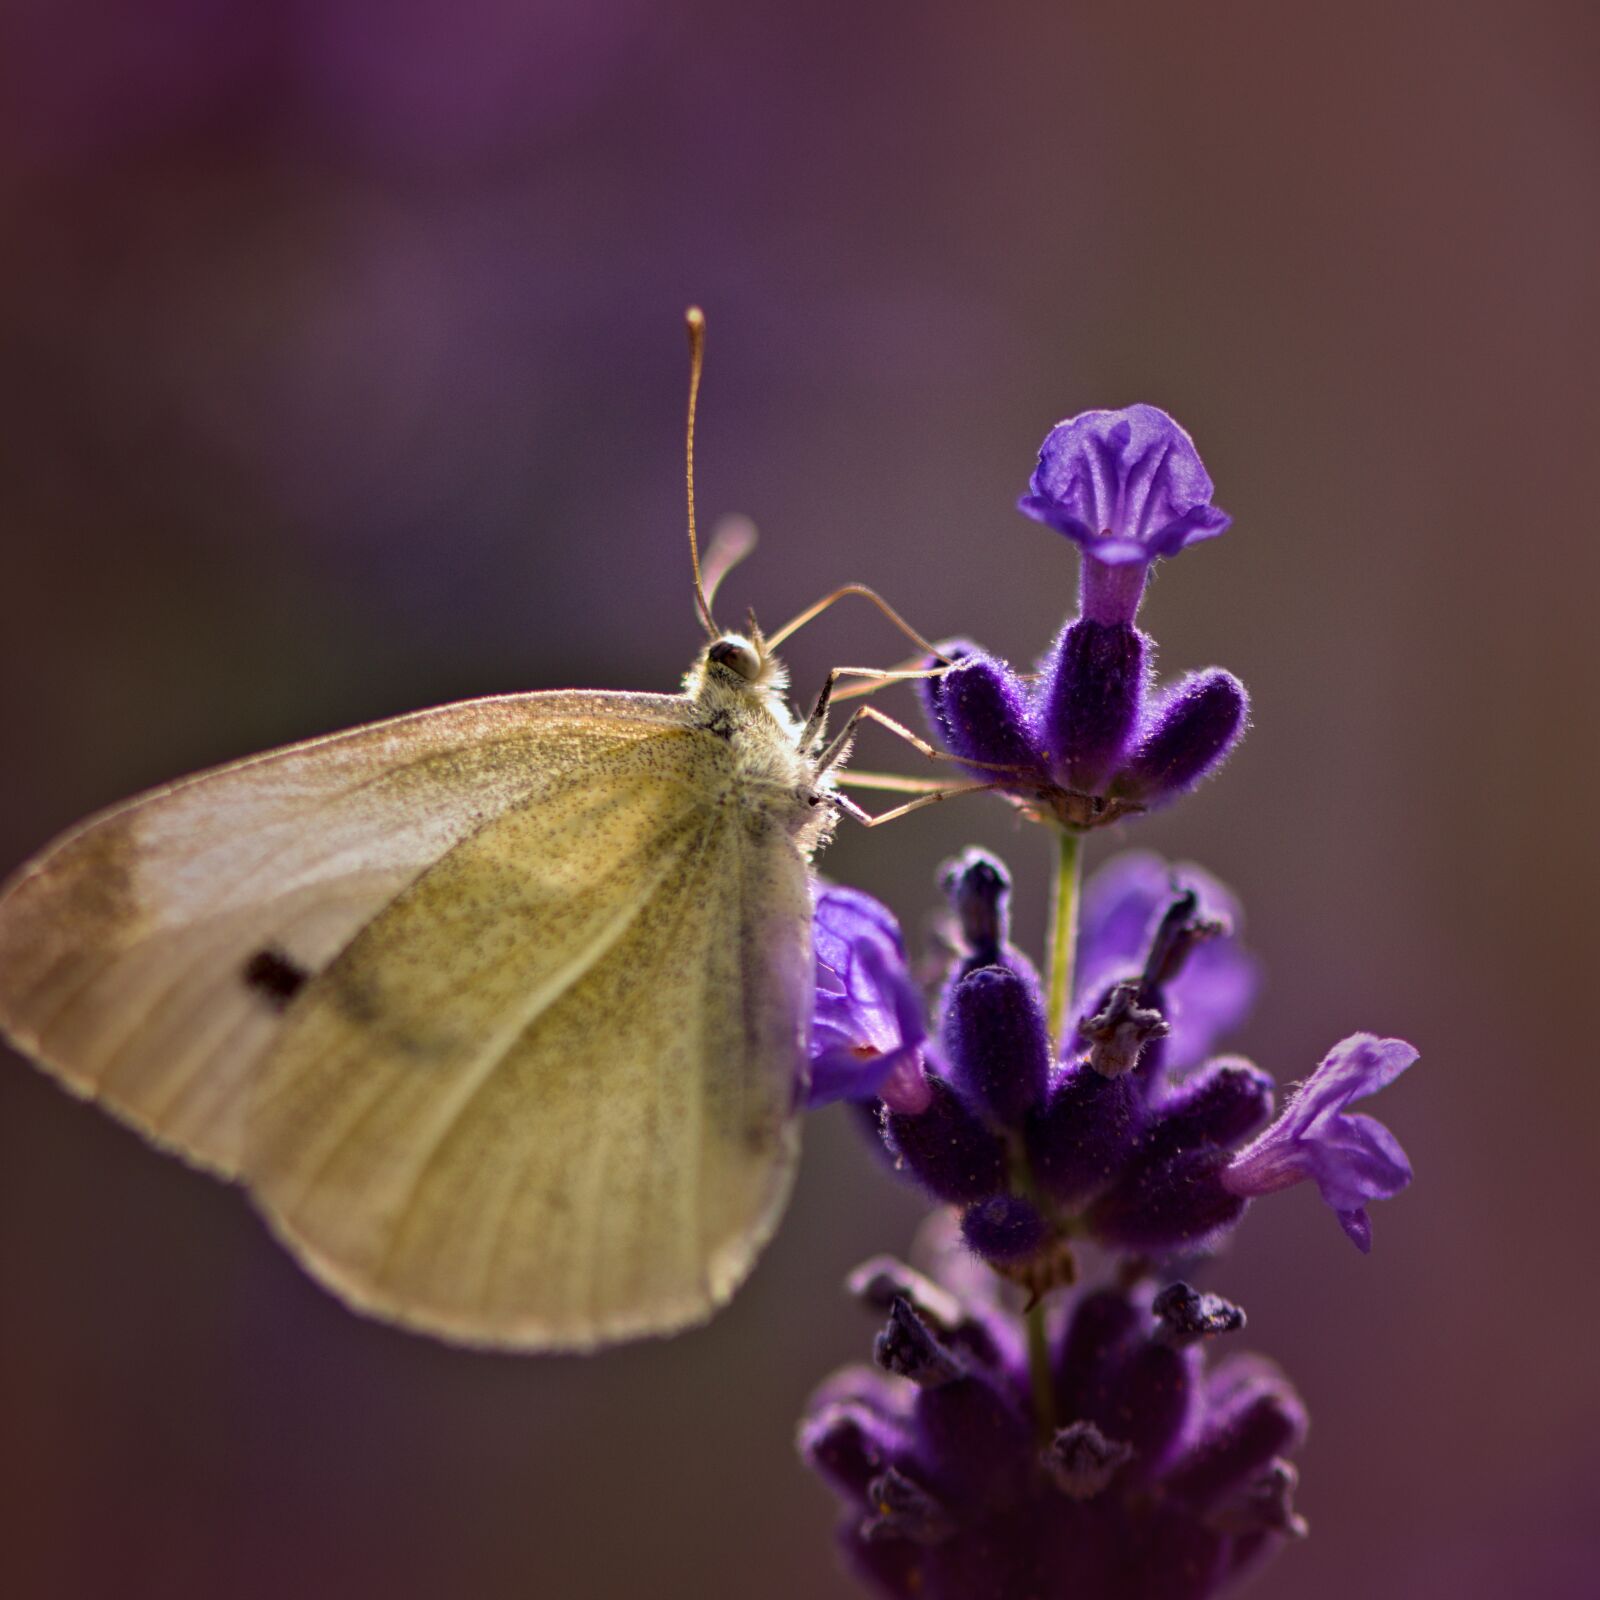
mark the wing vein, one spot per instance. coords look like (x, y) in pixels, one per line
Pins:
(495, 1049)
(698, 848)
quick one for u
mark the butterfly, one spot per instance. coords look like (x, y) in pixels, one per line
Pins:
(499, 1011)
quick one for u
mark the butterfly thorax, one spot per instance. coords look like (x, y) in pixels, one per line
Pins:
(772, 777)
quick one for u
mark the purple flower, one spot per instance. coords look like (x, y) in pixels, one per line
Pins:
(1158, 1474)
(1117, 1148)
(1090, 701)
(1127, 487)
(1187, 733)
(867, 1028)
(980, 709)
(1088, 739)
(1215, 984)
(1350, 1157)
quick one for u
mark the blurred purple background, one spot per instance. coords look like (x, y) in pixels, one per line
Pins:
(341, 372)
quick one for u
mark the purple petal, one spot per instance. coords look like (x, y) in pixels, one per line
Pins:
(1358, 1159)
(1352, 1158)
(1353, 1069)
(1128, 486)
(867, 1026)
(1119, 904)
(855, 1072)
(842, 916)
(1210, 998)
(1358, 1225)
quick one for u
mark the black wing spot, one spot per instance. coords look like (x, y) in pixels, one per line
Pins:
(275, 976)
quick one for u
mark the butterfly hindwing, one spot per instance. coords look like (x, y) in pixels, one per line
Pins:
(540, 1105)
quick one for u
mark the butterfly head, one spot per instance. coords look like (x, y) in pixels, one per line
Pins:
(738, 659)
(738, 655)
(736, 673)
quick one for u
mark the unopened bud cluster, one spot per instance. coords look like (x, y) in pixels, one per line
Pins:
(1171, 1478)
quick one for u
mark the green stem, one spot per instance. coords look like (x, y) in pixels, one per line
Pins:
(1041, 1379)
(1064, 930)
(1062, 952)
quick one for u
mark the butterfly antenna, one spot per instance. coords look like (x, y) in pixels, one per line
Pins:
(695, 321)
(794, 624)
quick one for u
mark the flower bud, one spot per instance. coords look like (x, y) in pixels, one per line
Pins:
(1091, 701)
(946, 1148)
(978, 709)
(1193, 729)
(998, 1043)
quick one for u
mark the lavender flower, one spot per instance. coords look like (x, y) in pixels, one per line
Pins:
(1129, 1139)
(1089, 739)
(1350, 1157)
(1106, 1460)
(867, 1027)
(1127, 487)
(1156, 1475)
(978, 887)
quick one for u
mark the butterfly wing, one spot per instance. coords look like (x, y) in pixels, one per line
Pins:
(546, 1099)
(465, 934)
(146, 956)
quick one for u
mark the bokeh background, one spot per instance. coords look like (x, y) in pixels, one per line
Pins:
(341, 373)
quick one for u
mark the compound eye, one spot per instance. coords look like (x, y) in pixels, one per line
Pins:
(736, 655)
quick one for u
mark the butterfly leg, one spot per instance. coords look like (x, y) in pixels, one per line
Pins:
(932, 798)
(837, 747)
(911, 667)
(926, 796)
(811, 735)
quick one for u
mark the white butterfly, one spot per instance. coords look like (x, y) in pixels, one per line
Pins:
(499, 1010)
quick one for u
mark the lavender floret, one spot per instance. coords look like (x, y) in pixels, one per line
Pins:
(1088, 708)
(1190, 732)
(997, 1043)
(980, 710)
(1352, 1158)
(867, 1027)
(1127, 487)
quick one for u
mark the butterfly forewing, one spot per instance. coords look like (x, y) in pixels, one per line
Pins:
(148, 956)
